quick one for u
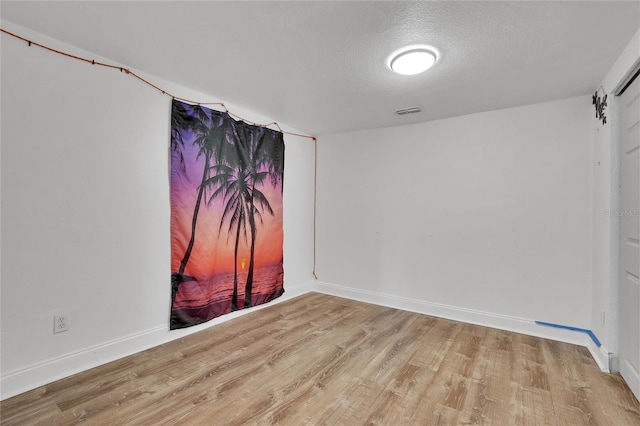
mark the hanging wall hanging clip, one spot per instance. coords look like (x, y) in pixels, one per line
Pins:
(600, 104)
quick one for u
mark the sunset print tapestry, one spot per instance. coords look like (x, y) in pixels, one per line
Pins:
(226, 214)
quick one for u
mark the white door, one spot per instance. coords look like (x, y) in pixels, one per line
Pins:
(629, 235)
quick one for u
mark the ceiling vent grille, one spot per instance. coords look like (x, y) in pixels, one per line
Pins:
(411, 110)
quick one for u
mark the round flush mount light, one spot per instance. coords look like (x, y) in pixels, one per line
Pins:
(412, 60)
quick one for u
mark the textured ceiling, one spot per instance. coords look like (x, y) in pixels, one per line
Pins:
(320, 66)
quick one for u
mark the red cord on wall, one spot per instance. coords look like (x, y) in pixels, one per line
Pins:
(164, 92)
(315, 199)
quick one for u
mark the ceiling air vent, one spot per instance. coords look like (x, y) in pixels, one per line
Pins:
(411, 110)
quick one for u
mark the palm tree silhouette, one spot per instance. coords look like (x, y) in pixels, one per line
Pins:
(180, 121)
(232, 185)
(209, 130)
(263, 153)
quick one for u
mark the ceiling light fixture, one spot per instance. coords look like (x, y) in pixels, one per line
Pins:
(412, 60)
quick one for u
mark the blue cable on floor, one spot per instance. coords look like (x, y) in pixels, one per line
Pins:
(566, 327)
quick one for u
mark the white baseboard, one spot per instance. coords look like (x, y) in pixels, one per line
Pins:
(488, 319)
(18, 381)
(601, 355)
(25, 379)
(631, 376)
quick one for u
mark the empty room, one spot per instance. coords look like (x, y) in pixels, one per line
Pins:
(320, 212)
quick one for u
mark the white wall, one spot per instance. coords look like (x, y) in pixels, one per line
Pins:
(489, 218)
(85, 212)
(606, 175)
(484, 217)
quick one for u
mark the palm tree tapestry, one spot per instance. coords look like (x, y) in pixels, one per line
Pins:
(226, 214)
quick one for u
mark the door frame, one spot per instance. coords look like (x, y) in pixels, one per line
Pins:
(616, 182)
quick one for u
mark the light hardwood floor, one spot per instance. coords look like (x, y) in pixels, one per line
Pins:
(323, 360)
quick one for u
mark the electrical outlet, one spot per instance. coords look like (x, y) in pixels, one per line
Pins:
(60, 323)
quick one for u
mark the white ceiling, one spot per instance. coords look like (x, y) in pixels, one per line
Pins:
(320, 66)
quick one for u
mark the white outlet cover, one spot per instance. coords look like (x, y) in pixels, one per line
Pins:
(60, 323)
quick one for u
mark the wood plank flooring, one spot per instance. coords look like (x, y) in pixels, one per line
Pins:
(323, 360)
